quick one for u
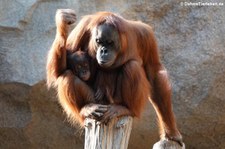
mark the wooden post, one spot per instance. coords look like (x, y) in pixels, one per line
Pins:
(114, 135)
(166, 144)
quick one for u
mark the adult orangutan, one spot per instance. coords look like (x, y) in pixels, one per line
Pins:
(128, 72)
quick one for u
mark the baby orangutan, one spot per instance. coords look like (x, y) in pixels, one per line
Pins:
(78, 63)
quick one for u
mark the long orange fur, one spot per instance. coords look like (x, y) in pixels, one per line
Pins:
(141, 74)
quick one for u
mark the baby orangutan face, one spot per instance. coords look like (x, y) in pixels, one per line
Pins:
(78, 62)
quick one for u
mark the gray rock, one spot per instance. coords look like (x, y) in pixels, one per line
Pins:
(191, 41)
(30, 118)
(14, 107)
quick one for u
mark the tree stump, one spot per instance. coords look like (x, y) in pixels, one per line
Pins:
(167, 144)
(114, 135)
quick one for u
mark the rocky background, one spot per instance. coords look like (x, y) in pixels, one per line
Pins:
(192, 44)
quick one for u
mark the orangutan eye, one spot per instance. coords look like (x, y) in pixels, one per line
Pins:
(98, 41)
(109, 42)
(78, 67)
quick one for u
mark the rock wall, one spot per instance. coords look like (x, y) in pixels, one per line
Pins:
(191, 41)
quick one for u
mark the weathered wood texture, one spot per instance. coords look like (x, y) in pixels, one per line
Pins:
(114, 135)
(166, 144)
